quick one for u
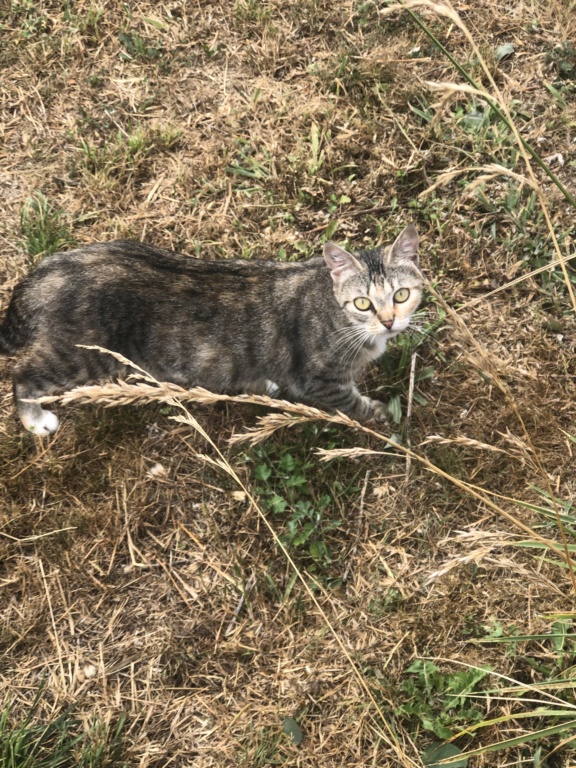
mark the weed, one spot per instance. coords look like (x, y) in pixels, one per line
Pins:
(516, 206)
(395, 364)
(554, 513)
(165, 137)
(44, 227)
(439, 701)
(102, 746)
(302, 502)
(261, 748)
(335, 203)
(380, 606)
(250, 164)
(284, 490)
(33, 22)
(563, 59)
(87, 23)
(136, 47)
(317, 139)
(559, 642)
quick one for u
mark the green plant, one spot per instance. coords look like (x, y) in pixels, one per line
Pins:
(102, 746)
(516, 205)
(36, 745)
(301, 500)
(491, 101)
(260, 748)
(61, 742)
(395, 364)
(87, 22)
(127, 153)
(136, 47)
(560, 642)
(251, 166)
(317, 139)
(284, 490)
(556, 515)
(44, 228)
(439, 701)
(563, 59)
(252, 11)
(32, 20)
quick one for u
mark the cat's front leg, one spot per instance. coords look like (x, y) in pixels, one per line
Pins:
(379, 410)
(348, 400)
(367, 409)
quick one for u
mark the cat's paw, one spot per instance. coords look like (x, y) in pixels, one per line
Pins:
(379, 411)
(41, 423)
(272, 389)
(263, 387)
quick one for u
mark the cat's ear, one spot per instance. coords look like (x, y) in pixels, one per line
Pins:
(405, 247)
(341, 263)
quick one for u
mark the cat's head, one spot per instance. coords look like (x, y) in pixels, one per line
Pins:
(378, 289)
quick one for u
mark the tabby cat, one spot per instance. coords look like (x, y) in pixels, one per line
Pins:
(303, 330)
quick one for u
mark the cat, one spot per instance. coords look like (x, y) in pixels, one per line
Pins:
(301, 330)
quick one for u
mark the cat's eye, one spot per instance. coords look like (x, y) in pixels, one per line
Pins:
(401, 295)
(362, 303)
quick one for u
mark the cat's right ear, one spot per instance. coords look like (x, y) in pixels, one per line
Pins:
(405, 247)
(341, 263)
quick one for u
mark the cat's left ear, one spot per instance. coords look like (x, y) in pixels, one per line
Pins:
(341, 263)
(405, 247)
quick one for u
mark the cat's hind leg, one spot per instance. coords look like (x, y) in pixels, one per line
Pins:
(33, 377)
(263, 387)
(37, 420)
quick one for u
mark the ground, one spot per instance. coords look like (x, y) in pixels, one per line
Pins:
(158, 608)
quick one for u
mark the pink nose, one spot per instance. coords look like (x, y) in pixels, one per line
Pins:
(388, 323)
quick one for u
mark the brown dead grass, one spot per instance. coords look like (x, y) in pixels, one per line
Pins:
(139, 578)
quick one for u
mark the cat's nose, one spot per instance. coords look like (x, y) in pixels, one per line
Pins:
(388, 323)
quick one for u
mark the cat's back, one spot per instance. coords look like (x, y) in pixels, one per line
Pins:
(131, 262)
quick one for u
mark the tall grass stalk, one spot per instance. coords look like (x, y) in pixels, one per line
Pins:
(498, 103)
(446, 10)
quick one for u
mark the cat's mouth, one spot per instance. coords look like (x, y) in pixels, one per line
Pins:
(387, 333)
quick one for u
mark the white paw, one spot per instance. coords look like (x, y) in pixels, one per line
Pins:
(41, 424)
(272, 389)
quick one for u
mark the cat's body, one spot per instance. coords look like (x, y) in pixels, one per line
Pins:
(228, 326)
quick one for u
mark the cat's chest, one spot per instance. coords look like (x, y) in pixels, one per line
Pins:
(373, 351)
(369, 353)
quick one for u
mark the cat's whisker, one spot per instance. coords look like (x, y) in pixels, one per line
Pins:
(350, 340)
(354, 349)
(357, 352)
(349, 330)
(356, 333)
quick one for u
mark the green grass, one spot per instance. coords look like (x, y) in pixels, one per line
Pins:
(137, 48)
(44, 228)
(109, 162)
(60, 742)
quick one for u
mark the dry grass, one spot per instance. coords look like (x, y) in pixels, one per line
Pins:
(143, 569)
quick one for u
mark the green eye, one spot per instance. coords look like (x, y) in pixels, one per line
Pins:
(362, 303)
(401, 295)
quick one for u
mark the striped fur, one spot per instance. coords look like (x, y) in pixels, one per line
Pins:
(230, 326)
